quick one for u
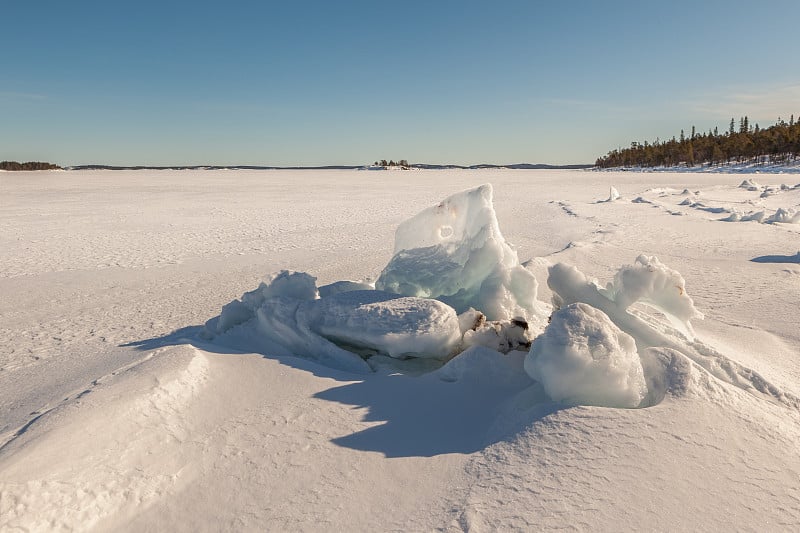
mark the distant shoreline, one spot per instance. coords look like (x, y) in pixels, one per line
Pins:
(424, 166)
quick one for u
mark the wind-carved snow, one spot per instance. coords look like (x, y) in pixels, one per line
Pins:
(94, 468)
(588, 354)
(652, 283)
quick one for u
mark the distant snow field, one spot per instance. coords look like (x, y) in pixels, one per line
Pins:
(459, 350)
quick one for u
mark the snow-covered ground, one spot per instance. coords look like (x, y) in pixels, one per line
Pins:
(763, 166)
(120, 409)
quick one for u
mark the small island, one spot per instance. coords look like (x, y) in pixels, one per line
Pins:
(384, 165)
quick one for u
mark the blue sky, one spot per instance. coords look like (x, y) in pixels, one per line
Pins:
(310, 83)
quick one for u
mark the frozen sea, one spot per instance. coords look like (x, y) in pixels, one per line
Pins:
(117, 414)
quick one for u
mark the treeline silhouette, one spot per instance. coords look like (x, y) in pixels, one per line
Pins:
(30, 165)
(746, 144)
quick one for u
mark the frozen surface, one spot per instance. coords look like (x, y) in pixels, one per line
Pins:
(116, 414)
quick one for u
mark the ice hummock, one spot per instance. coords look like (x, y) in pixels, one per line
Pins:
(455, 252)
(596, 349)
(449, 259)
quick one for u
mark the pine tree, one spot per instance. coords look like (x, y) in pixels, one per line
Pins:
(731, 131)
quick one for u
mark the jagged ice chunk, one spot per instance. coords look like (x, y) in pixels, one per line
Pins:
(455, 252)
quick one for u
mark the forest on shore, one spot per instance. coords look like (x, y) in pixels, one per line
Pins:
(30, 165)
(776, 144)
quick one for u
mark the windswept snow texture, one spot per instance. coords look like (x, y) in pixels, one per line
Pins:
(582, 358)
(117, 413)
(454, 251)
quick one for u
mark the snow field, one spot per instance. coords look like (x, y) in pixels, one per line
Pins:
(211, 439)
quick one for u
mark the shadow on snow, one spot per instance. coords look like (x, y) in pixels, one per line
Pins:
(777, 258)
(422, 416)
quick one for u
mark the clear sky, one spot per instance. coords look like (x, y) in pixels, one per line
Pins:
(338, 82)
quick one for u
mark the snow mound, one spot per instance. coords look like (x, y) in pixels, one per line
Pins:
(758, 216)
(670, 372)
(454, 252)
(569, 286)
(582, 358)
(384, 323)
(110, 450)
(486, 366)
(652, 283)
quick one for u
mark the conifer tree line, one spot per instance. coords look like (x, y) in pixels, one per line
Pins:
(742, 142)
(30, 165)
